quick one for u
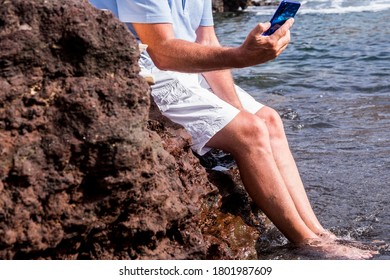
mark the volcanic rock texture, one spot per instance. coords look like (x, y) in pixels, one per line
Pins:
(84, 172)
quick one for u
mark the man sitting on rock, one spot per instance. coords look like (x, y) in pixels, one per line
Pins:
(194, 87)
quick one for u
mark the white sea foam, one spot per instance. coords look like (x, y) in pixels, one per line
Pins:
(331, 7)
(345, 9)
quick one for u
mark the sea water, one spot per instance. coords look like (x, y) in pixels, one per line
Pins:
(332, 88)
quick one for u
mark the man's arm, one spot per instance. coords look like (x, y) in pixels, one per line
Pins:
(169, 53)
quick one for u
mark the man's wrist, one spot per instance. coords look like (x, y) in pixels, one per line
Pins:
(234, 57)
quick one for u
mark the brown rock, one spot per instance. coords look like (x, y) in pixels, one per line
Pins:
(229, 5)
(85, 173)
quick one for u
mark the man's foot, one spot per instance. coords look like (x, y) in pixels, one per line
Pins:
(334, 249)
(327, 235)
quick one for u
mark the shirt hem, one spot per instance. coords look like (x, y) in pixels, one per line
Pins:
(144, 19)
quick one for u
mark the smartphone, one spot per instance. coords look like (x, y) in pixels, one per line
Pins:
(287, 9)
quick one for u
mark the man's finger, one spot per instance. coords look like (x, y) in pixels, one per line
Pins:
(282, 49)
(285, 40)
(284, 28)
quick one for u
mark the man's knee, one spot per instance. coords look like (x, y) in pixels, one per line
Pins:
(273, 121)
(252, 132)
(244, 133)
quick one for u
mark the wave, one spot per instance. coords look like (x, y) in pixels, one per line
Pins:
(345, 10)
(331, 7)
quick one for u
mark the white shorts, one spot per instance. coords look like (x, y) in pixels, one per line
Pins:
(187, 99)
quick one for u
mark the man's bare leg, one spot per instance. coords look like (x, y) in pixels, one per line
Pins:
(248, 140)
(288, 169)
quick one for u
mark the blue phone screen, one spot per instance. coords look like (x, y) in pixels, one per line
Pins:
(285, 11)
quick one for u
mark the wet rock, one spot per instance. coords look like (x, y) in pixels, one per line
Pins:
(229, 5)
(89, 168)
(220, 6)
(264, 2)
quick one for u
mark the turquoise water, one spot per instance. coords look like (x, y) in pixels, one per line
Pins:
(332, 87)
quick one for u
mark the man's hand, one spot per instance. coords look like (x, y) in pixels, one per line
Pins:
(258, 49)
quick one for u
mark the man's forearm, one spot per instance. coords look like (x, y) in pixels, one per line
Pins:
(222, 85)
(184, 56)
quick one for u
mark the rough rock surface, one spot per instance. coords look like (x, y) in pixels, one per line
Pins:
(89, 169)
(229, 5)
(220, 6)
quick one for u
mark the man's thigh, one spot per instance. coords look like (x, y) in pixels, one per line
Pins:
(187, 99)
